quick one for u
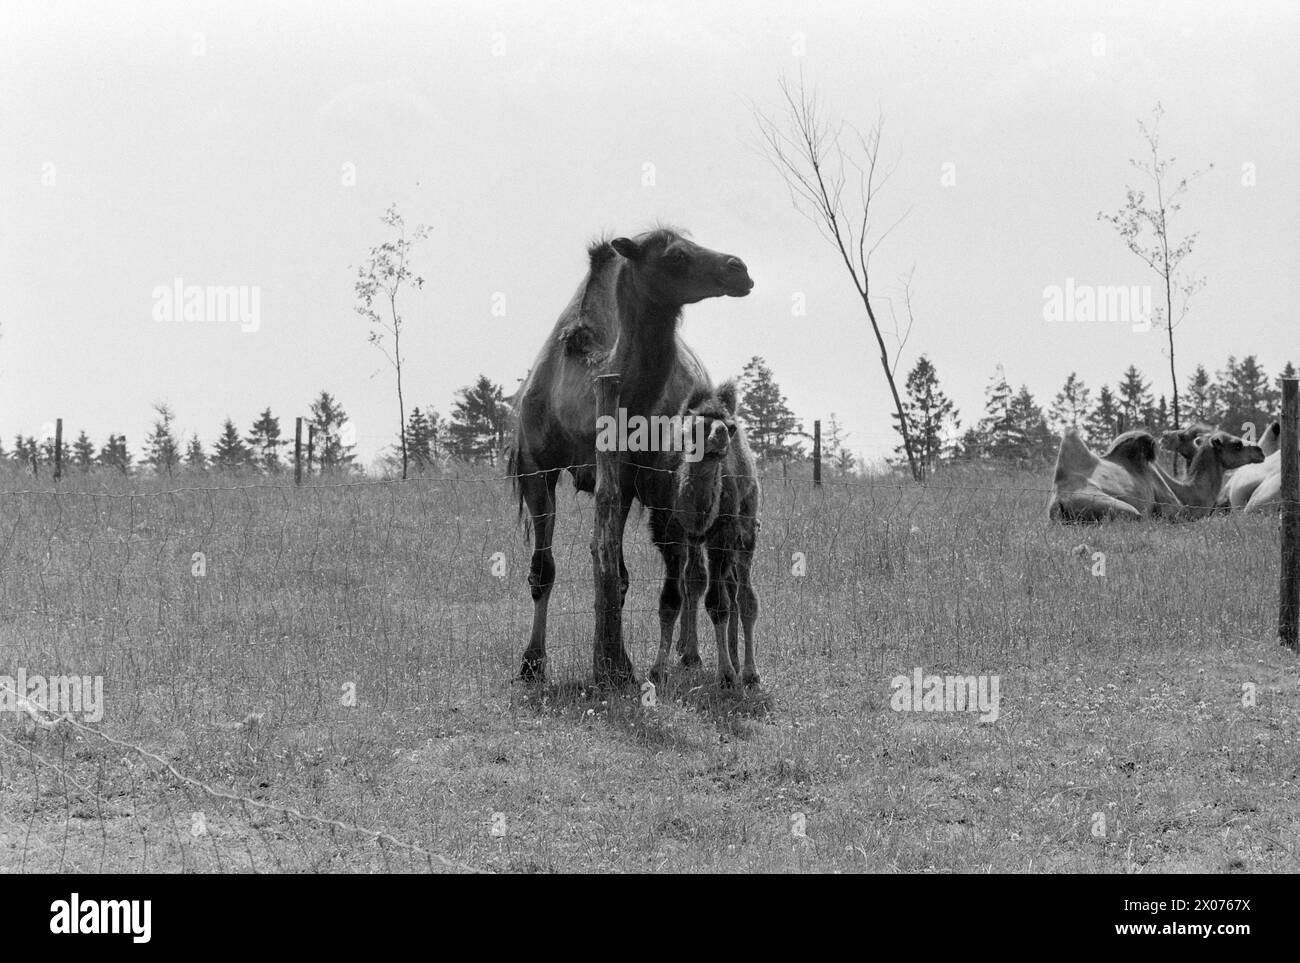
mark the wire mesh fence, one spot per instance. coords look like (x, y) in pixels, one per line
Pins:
(273, 657)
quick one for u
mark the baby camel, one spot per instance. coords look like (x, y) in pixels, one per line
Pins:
(713, 503)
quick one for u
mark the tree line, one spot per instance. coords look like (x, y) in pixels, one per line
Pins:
(476, 430)
(1013, 428)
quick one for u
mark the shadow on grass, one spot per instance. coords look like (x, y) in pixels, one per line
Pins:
(626, 712)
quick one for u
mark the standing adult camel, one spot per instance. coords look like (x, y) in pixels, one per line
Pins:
(622, 320)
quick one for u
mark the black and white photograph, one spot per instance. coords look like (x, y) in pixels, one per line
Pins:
(607, 437)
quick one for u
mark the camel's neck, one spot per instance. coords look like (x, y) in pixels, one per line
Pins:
(646, 352)
(1200, 486)
(698, 494)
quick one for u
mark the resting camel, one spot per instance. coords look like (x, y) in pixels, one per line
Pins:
(1122, 483)
(622, 319)
(1238, 484)
(1268, 493)
(1216, 455)
(1243, 484)
(712, 501)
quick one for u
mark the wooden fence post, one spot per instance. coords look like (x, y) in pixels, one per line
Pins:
(1120, 424)
(311, 446)
(817, 454)
(58, 449)
(610, 661)
(297, 452)
(1288, 614)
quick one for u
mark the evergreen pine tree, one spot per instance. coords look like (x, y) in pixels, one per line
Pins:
(83, 452)
(1103, 418)
(195, 458)
(1202, 398)
(931, 418)
(264, 442)
(995, 431)
(1071, 405)
(1134, 398)
(230, 454)
(480, 420)
(770, 426)
(329, 418)
(162, 453)
(115, 454)
(835, 452)
(1246, 395)
(1031, 440)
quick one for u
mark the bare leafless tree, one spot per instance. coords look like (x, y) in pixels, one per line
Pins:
(1143, 224)
(834, 173)
(380, 278)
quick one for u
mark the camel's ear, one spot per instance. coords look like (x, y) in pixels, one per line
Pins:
(727, 395)
(1199, 441)
(627, 247)
(1217, 441)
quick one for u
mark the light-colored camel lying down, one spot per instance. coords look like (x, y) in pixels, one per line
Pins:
(1126, 482)
(1268, 494)
(1241, 484)
(1122, 483)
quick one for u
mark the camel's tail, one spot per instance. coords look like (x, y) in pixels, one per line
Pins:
(512, 471)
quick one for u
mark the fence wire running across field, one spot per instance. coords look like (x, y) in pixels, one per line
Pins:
(274, 658)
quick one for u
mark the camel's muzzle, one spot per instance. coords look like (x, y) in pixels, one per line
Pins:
(737, 282)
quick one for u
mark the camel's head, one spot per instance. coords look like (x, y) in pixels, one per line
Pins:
(1183, 441)
(673, 270)
(709, 420)
(1230, 450)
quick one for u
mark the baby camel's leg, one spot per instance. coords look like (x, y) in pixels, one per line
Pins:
(717, 602)
(688, 643)
(748, 612)
(670, 604)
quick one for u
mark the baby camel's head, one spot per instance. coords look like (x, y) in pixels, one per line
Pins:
(709, 422)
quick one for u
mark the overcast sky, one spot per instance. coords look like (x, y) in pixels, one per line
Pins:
(214, 143)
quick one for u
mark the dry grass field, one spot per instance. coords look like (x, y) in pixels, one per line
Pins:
(335, 691)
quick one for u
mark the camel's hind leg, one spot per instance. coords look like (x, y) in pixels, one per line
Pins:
(718, 603)
(539, 498)
(697, 580)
